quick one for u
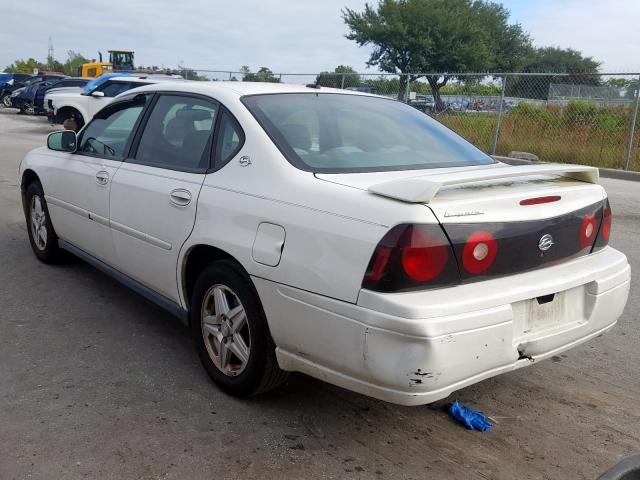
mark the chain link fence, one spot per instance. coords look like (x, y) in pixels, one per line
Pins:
(590, 119)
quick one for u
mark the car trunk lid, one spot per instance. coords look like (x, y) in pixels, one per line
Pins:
(533, 215)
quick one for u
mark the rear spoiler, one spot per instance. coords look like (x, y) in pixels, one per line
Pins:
(423, 188)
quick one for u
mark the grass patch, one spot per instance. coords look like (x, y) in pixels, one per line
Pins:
(581, 133)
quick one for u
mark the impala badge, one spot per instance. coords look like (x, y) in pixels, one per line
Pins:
(244, 161)
(545, 242)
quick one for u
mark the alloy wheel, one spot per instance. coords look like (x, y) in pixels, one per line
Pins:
(38, 223)
(225, 330)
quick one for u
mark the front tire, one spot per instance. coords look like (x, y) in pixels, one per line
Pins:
(28, 109)
(5, 101)
(42, 236)
(230, 332)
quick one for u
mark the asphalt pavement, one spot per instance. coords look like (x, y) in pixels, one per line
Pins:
(96, 382)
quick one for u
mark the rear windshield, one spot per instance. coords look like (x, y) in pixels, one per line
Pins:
(326, 132)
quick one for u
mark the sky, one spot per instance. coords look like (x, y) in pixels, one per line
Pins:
(289, 36)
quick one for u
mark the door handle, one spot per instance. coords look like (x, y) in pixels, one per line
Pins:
(102, 177)
(180, 197)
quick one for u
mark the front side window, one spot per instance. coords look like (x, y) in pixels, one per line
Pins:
(178, 134)
(353, 133)
(109, 132)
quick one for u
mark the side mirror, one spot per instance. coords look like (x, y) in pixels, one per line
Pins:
(97, 94)
(63, 141)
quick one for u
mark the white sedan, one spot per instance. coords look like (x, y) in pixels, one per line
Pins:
(330, 232)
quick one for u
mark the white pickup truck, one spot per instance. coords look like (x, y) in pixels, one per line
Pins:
(82, 105)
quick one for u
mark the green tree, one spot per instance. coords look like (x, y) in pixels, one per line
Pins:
(343, 76)
(25, 66)
(264, 74)
(190, 74)
(415, 36)
(583, 71)
(74, 61)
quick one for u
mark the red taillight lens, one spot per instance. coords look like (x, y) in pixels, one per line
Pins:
(588, 230)
(605, 227)
(606, 224)
(424, 257)
(479, 252)
(411, 257)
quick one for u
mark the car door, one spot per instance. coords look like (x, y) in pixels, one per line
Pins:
(81, 181)
(155, 192)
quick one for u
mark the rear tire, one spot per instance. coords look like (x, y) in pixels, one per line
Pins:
(5, 101)
(42, 236)
(231, 333)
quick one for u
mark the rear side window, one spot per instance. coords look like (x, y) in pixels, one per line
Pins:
(178, 134)
(109, 132)
(230, 140)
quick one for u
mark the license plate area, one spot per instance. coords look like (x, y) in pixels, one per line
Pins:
(543, 314)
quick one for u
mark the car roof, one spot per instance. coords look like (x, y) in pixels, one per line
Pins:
(242, 88)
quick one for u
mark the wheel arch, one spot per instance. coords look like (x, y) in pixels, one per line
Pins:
(29, 176)
(195, 260)
(62, 112)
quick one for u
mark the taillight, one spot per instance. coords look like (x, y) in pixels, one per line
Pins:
(588, 230)
(411, 257)
(479, 252)
(424, 256)
(602, 239)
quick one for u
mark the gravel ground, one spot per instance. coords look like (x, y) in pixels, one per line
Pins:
(95, 382)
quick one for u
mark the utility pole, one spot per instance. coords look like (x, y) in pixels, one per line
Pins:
(50, 58)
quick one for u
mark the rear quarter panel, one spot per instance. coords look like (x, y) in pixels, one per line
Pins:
(331, 230)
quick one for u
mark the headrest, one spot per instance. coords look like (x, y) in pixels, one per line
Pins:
(195, 115)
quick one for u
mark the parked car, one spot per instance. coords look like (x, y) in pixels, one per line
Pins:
(424, 103)
(364, 89)
(10, 82)
(69, 84)
(7, 93)
(81, 106)
(24, 98)
(335, 233)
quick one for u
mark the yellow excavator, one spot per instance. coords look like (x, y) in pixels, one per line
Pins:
(119, 61)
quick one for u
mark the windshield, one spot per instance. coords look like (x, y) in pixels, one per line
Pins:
(352, 133)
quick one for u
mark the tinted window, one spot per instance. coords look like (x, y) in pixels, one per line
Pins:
(178, 133)
(112, 89)
(70, 83)
(108, 133)
(229, 140)
(73, 83)
(350, 133)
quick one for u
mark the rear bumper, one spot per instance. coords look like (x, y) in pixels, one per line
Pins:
(417, 347)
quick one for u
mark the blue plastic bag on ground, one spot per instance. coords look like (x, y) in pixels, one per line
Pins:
(470, 418)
